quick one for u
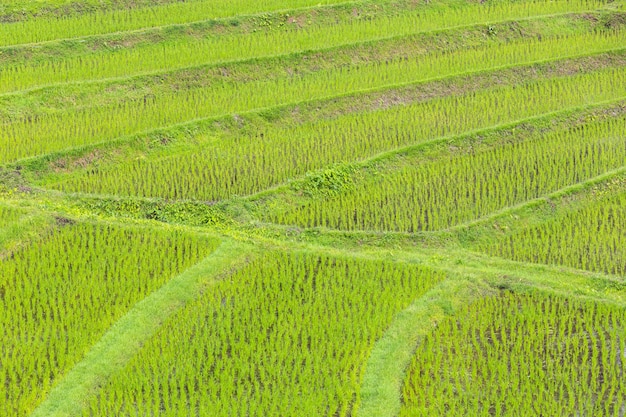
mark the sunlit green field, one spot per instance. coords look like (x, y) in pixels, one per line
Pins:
(312, 208)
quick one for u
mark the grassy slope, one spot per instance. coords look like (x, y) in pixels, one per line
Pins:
(392, 354)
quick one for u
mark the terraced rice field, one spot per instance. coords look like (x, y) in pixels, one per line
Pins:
(312, 208)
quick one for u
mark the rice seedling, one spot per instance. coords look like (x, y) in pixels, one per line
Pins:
(468, 183)
(53, 132)
(48, 28)
(168, 56)
(9, 215)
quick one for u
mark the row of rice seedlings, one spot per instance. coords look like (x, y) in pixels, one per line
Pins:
(522, 355)
(34, 7)
(47, 28)
(29, 9)
(248, 164)
(57, 131)
(467, 183)
(9, 215)
(59, 296)
(591, 238)
(176, 55)
(288, 335)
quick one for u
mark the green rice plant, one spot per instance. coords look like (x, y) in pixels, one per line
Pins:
(591, 238)
(169, 56)
(51, 132)
(9, 215)
(58, 297)
(522, 355)
(466, 183)
(287, 335)
(48, 28)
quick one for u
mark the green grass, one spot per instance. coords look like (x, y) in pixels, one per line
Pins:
(392, 354)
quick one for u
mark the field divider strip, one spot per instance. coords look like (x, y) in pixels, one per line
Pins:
(381, 387)
(354, 93)
(23, 232)
(322, 49)
(482, 275)
(513, 275)
(127, 336)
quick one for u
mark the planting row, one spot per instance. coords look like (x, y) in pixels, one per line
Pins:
(101, 93)
(47, 133)
(591, 238)
(50, 27)
(516, 355)
(251, 163)
(9, 216)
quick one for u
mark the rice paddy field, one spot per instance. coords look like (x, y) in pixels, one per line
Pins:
(357, 208)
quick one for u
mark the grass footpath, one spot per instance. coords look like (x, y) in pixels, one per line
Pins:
(392, 354)
(128, 335)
